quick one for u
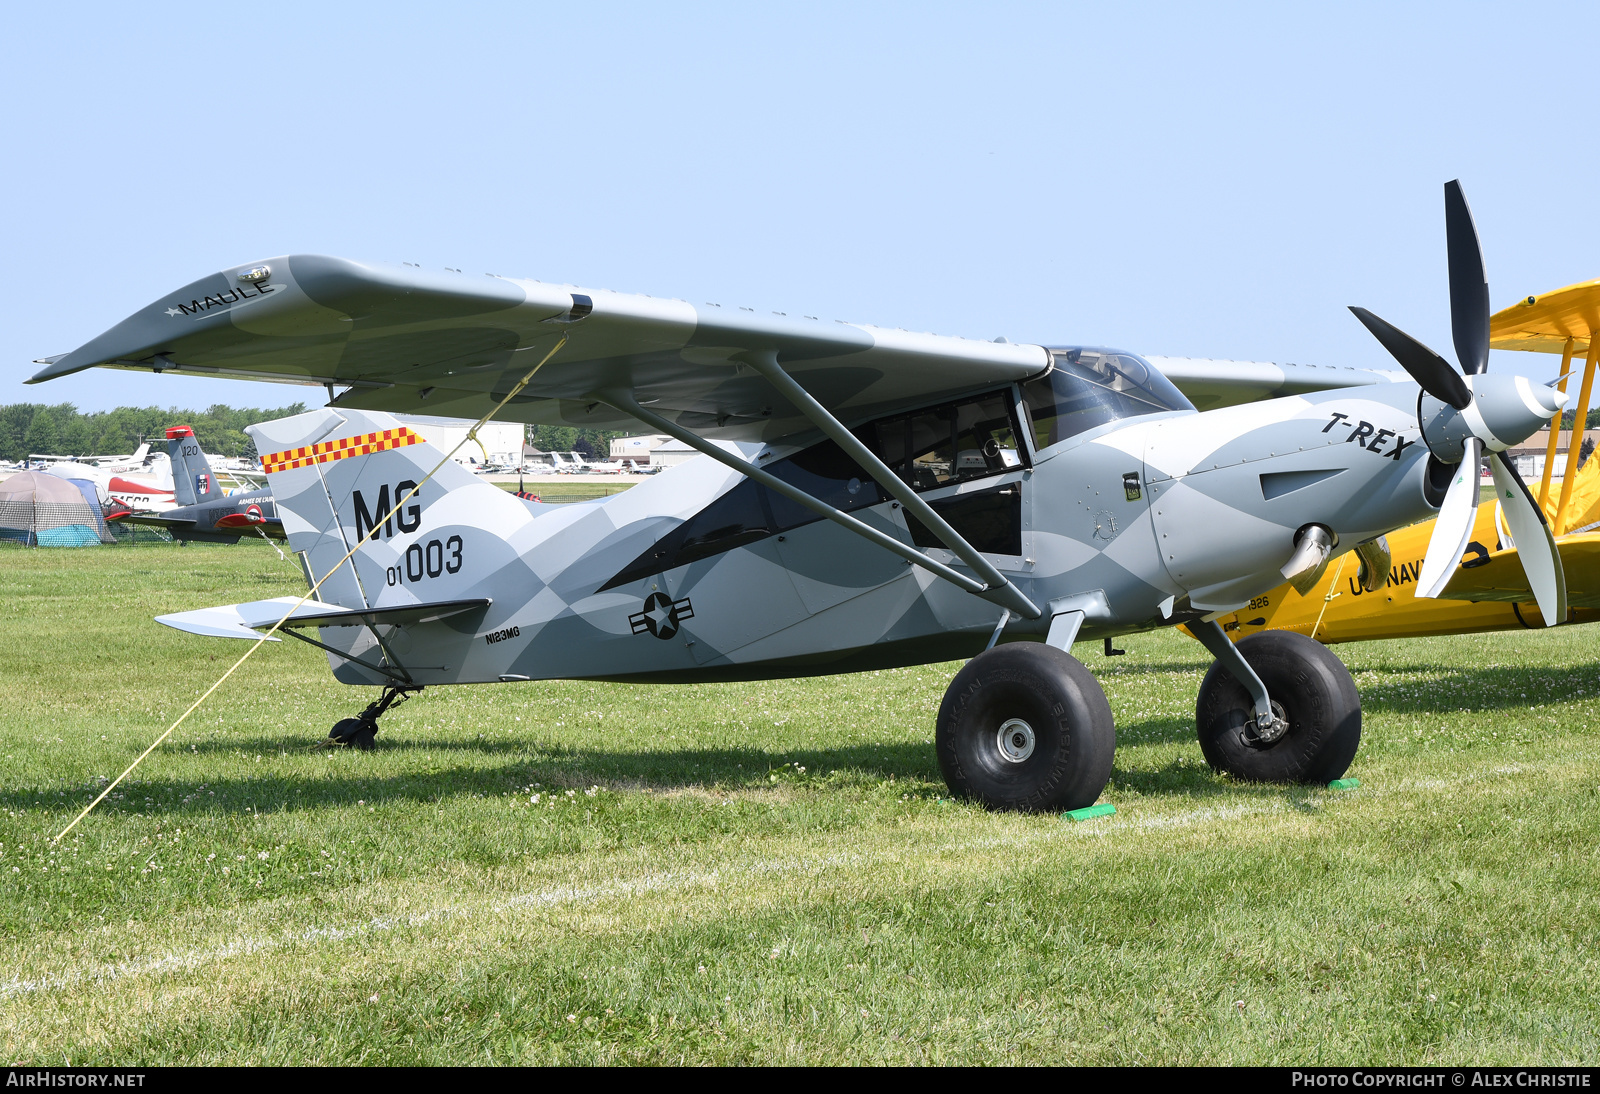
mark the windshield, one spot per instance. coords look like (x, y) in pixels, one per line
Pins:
(1089, 387)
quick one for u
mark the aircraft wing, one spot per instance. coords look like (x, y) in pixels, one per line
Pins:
(404, 339)
(149, 519)
(1542, 324)
(1211, 384)
(1501, 577)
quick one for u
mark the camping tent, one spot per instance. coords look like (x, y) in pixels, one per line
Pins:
(41, 510)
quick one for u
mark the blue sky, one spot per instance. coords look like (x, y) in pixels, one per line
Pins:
(1167, 179)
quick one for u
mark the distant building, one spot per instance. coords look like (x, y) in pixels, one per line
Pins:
(671, 453)
(498, 442)
(1529, 455)
(637, 449)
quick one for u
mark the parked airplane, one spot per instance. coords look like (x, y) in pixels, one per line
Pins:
(1488, 591)
(873, 498)
(149, 489)
(201, 510)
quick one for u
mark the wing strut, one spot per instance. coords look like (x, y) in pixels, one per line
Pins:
(997, 589)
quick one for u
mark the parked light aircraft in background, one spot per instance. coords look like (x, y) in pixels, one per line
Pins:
(201, 510)
(147, 488)
(873, 498)
(1488, 591)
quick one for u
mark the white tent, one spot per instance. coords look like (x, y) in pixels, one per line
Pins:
(41, 510)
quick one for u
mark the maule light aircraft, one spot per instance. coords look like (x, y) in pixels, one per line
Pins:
(873, 498)
(1489, 590)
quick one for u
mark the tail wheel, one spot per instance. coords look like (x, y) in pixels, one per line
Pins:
(1319, 712)
(357, 732)
(1025, 726)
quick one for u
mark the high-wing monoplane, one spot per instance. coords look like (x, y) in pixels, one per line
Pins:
(201, 509)
(872, 498)
(1489, 590)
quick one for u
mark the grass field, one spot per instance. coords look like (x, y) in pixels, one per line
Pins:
(765, 872)
(576, 489)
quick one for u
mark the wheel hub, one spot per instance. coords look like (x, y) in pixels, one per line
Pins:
(1257, 735)
(1015, 740)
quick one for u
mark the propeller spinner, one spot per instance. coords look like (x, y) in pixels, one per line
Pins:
(1460, 417)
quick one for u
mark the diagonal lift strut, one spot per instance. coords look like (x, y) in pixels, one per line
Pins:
(993, 587)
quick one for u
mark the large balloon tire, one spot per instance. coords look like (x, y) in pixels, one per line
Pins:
(1061, 727)
(1308, 686)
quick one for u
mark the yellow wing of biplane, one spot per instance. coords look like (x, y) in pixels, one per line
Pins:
(1500, 578)
(1545, 324)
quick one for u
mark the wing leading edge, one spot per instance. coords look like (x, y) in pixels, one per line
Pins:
(401, 338)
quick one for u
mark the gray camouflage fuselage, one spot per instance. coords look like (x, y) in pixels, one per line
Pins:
(1220, 497)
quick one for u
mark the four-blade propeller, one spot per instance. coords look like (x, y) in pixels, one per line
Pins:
(1477, 413)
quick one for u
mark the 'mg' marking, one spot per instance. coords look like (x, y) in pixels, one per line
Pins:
(409, 518)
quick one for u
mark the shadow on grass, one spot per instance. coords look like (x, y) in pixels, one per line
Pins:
(1177, 777)
(1500, 688)
(555, 768)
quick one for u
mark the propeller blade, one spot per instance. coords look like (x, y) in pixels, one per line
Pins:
(1425, 366)
(1453, 528)
(1469, 286)
(1536, 545)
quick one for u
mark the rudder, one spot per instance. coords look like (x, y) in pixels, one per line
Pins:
(192, 480)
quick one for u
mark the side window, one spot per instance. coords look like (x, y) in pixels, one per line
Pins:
(950, 444)
(733, 520)
(990, 520)
(827, 474)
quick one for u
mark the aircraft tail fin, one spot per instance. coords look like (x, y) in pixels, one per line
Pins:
(192, 480)
(338, 475)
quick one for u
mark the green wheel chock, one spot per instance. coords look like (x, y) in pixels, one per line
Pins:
(1090, 813)
(1344, 784)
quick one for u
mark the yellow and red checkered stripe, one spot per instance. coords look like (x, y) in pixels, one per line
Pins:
(364, 445)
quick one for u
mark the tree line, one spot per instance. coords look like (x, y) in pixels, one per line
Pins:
(63, 430)
(1591, 422)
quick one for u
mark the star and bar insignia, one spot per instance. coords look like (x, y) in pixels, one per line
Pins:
(662, 615)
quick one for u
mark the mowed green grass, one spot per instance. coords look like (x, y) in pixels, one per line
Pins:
(762, 872)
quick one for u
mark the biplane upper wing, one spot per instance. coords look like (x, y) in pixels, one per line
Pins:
(1501, 578)
(400, 338)
(1545, 323)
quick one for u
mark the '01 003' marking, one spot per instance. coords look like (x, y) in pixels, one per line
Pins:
(427, 560)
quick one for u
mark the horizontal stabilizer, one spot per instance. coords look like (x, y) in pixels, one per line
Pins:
(242, 620)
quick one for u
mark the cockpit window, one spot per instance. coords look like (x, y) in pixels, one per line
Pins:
(949, 444)
(1089, 387)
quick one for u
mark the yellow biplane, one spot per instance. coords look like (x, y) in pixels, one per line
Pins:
(1488, 591)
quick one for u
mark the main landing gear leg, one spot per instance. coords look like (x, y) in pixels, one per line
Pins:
(1276, 707)
(360, 731)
